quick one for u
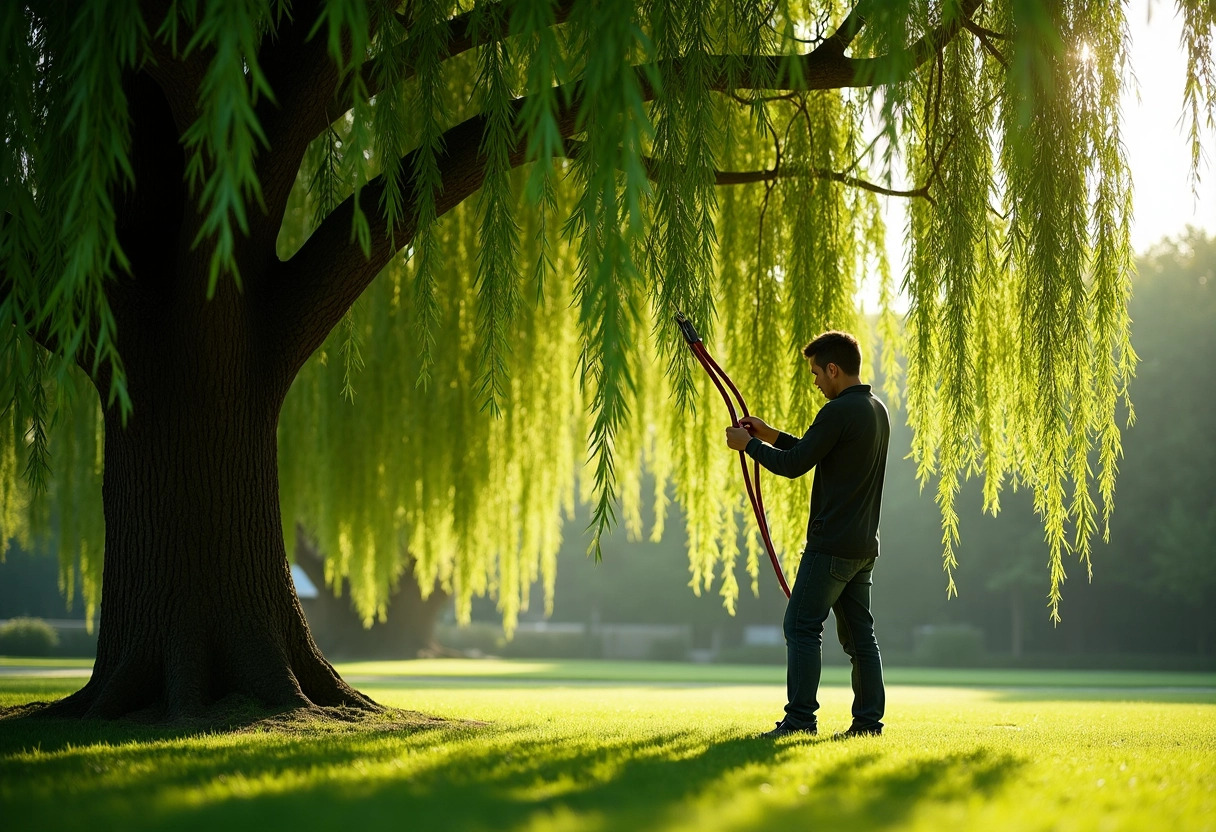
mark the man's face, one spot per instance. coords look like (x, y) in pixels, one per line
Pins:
(825, 378)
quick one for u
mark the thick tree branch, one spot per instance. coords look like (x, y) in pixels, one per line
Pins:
(177, 75)
(985, 37)
(313, 290)
(574, 147)
(304, 78)
(977, 29)
(842, 38)
(463, 33)
(825, 67)
(321, 281)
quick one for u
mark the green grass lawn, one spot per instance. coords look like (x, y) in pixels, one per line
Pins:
(586, 746)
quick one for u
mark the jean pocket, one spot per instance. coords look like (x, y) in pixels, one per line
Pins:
(843, 569)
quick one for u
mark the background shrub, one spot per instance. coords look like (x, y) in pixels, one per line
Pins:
(28, 637)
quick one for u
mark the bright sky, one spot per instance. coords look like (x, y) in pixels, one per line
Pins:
(1158, 149)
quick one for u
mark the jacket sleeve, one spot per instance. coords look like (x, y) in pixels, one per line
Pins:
(804, 453)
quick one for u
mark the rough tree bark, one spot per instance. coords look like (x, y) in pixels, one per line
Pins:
(197, 598)
(197, 601)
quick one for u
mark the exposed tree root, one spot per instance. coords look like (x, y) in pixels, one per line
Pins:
(182, 687)
(344, 720)
(241, 715)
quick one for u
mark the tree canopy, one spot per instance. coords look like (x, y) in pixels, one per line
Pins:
(482, 217)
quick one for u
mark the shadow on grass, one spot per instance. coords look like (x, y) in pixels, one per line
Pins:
(470, 779)
(868, 793)
(24, 729)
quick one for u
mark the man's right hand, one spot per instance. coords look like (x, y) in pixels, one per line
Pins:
(759, 429)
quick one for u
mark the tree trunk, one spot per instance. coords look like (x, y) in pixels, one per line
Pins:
(197, 599)
(407, 632)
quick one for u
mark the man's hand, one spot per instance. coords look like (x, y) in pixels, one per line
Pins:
(759, 429)
(737, 438)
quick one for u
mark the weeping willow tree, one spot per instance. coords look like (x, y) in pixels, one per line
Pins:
(392, 269)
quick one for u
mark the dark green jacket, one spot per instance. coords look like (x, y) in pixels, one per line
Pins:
(847, 444)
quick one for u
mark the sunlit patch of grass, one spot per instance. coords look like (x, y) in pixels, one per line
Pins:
(580, 756)
(18, 691)
(32, 661)
(684, 672)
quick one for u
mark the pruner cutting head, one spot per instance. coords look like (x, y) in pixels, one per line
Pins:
(687, 329)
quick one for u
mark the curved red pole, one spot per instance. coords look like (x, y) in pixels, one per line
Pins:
(754, 496)
(714, 371)
(761, 515)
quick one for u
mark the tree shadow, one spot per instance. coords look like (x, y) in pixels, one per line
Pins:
(865, 792)
(475, 778)
(26, 727)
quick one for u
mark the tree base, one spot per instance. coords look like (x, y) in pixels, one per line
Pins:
(234, 715)
(186, 688)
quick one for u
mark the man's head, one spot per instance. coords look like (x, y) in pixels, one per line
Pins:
(835, 360)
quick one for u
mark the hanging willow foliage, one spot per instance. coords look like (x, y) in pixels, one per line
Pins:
(629, 159)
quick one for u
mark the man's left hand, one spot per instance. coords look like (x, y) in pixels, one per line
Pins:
(737, 438)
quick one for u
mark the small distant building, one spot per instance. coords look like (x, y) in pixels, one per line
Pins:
(306, 590)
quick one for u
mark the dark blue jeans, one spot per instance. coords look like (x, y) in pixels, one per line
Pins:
(840, 585)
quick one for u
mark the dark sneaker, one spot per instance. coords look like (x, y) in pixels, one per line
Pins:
(857, 732)
(783, 729)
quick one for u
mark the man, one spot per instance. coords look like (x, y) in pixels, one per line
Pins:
(847, 444)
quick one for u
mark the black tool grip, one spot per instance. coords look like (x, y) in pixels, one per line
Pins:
(687, 330)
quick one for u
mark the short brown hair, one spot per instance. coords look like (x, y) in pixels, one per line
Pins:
(835, 347)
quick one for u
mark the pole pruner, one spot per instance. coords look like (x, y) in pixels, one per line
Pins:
(718, 376)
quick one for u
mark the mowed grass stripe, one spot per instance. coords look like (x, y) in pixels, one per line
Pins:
(683, 672)
(616, 671)
(554, 757)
